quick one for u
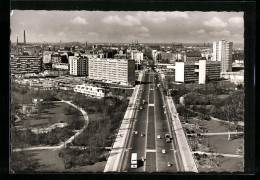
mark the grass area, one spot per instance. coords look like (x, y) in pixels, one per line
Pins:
(50, 116)
(23, 162)
(211, 125)
(226, 164)
(220, 143)
(49, 161)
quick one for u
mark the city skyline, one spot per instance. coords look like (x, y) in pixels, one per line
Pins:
(127, 27)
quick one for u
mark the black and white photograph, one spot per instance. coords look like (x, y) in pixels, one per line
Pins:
(126, 91)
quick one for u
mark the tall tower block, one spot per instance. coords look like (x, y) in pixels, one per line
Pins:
(24, 38)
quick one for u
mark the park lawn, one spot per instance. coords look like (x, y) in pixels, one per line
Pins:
(227, 164)
(50, 116)
(220, 144)
(95, 117)
(211, 125)
(48, 161)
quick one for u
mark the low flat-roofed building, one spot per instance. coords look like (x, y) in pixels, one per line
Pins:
(92, 91)
(60, 66)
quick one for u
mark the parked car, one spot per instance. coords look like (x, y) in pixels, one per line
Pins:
(169, 164)
(158, 137)
(167, 138)
(136, 132)
(142, 134)
(141, 107)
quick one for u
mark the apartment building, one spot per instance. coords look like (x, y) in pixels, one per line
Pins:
(222, 51)
(137, 56)
(78, 66)
(197, 72)
(117, 71)
(25, 64)
(90, 90)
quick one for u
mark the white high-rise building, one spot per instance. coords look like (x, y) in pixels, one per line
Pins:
(78, 66)
(137, 56)
(222, 51)
(117, 71)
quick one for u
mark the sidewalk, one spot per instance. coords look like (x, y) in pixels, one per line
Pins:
(186, 154)
(225, 155)
(216, 134)
(240, 123)
(116, 155)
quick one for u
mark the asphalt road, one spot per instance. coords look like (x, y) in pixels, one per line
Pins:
(152, 122)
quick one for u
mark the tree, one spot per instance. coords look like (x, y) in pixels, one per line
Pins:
(234, 110)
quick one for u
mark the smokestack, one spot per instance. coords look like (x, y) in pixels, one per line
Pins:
(24, 37)
(17, 46)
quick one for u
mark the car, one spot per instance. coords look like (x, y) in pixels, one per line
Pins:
(167, 135)
(142, 134)
(136, 132)
(164, 151)
(158, 137)
(141, 107)
(165, 112)
(169, 164)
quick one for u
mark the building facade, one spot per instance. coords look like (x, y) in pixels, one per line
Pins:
(222, 51)
(117, 71)
(78, 66)
(25, 64)
(197, 72)
(137, 56)
(90, 90)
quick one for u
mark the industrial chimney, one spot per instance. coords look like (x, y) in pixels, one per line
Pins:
(24, 37)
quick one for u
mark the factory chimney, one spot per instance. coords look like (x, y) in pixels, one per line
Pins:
(17, 46)
(24, 37)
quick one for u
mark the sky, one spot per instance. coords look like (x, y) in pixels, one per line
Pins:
(127, 26)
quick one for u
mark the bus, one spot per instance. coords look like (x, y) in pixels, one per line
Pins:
(134, 160)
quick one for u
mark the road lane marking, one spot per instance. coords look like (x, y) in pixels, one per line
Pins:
(146, 126)
(173, 142)
(150, 150)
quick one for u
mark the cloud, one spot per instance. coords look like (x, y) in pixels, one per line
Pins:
(236, 21)
(220, 33)
(79, 20)
(61, 34)
(124, 21)
(215, 23)
(158, 17)
(142, 29)
(93, 35)
(200, 31)
(144, 35)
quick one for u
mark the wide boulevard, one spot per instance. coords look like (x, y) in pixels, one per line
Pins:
(151, 121)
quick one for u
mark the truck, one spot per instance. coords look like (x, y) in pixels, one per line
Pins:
(134, 160)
